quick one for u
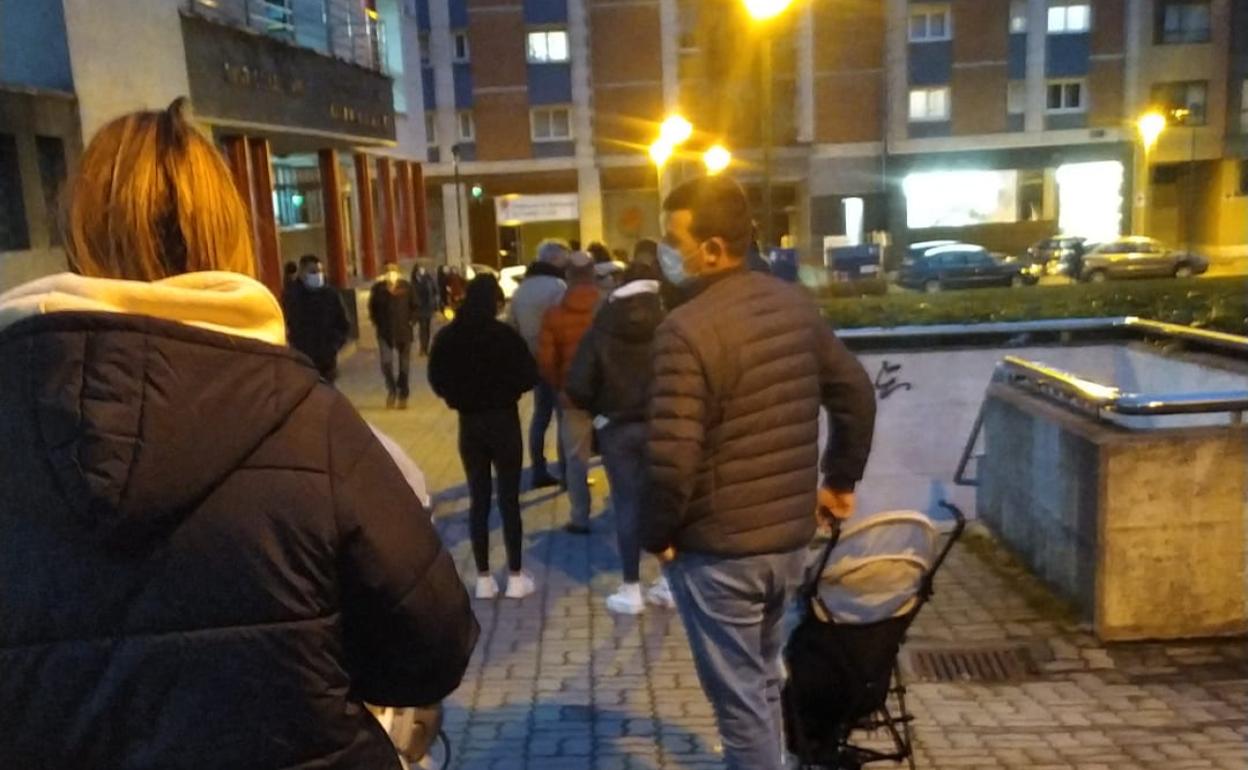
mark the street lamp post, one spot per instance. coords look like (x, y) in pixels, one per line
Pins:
(1150, 127)
(763, 11)
(459, 204)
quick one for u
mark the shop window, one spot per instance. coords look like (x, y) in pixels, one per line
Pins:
(1183, 103)
(459, 46)
(14, 234)
(1183, 21)
(929, 104)
(1166, 173)
(1018, 17)
(930, 23)
(1067, 18)
(1016, 97)
(51, 155)
(687, 26)
(1066, 96)
(1031, 195)
(297, 195)
(465, 126)
(551, 124)
(548, 45)
(1243, 177)
(431, 129)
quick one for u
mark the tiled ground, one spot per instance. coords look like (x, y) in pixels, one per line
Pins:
(557, 682)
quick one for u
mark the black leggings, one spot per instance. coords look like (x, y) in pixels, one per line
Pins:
(492, 439)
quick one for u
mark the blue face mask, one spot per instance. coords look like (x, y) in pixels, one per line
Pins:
(672, 264)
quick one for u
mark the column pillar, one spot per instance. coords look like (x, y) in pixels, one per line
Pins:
(389, 232)
(1037, 52)
(407, 236)
(335, 228)
(269, 248)
(364, 196)
(240, 170)
(457, 246)
(589, 201)
(420, 209)
(805, 50)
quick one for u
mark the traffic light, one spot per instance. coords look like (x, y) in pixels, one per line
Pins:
(478, 192)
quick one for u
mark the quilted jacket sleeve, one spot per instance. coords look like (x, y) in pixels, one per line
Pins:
(585, 376)
(548, 348)
(677, 421)
(408, 628)
(849, 398)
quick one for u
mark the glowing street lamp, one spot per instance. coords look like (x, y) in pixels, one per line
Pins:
(1150, 126)
(660, 152)
(762, 10)
(716, 159)
(675, 131)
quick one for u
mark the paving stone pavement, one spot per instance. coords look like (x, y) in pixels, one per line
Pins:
(558, 683)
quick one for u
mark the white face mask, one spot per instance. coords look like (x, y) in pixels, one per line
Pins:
(672, 264)
(314, 280)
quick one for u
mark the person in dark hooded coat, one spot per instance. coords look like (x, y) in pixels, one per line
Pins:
(481, 367)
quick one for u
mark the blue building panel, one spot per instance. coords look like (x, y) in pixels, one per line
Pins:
(1063, 121)
(422, 15)
(545, 11)
(1067, 56)
(1018, 57)
(931, 64)
(554, 149)
(550, 83)
(426, 82)
(463, 86)
(926, 130)
(459, 13)
(34, 50)
(467, 151)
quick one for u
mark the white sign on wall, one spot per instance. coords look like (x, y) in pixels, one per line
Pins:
(514, 210)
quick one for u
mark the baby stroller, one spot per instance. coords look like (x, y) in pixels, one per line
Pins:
(872, 579)
(417, 735)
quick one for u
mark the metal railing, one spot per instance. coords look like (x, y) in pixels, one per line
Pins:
(343, 29)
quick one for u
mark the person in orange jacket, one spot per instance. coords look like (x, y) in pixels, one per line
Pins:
(563, 326)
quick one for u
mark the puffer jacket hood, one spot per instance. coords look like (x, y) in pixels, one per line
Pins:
(634, 312)
(612, 369)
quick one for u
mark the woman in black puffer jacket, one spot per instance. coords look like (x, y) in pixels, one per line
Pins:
(207, 559)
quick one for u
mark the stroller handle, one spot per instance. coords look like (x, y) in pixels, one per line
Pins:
(959, 526)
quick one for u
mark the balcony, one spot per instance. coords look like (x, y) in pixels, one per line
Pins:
(342, 29)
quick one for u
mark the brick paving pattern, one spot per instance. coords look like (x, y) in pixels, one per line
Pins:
(558, 683)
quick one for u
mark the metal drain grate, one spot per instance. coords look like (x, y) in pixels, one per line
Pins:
(972, 664)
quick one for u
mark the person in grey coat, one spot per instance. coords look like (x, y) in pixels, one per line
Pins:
(741, 369)
(541, 289)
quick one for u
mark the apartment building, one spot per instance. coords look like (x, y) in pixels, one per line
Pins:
(999, 121)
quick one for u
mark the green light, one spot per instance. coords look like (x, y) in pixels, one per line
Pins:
(478, 191)
(297, 199)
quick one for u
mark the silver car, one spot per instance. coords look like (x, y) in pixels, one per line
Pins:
(1139, 257)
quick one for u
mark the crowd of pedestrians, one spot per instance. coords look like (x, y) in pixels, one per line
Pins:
(249, 583)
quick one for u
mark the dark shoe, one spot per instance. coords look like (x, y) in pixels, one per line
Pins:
(575, 529)
(390, 400)
(543, 480)
(402, 403)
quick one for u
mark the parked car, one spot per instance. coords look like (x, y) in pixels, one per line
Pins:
(1060, 255)
(1139, 257)
(963, 265)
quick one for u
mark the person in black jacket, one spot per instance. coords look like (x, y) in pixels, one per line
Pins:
(316, 321)
(610, 378)
(425, 290)
(207, 559)
(481, 367)
(392, 309)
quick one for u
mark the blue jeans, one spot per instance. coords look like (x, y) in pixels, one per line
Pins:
(576, 437)
(623, 450)
(733, 610)
(544, 398)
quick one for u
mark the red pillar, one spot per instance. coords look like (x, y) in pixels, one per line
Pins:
(269, 248)
(368, 241)
(420, 211)
(240, 169)
(335, 228)
(389, 218)
(407, 237)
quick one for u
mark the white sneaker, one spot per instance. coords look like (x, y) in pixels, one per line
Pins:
(519, 585)
(660, 594)
(626, 600)
(487, 587)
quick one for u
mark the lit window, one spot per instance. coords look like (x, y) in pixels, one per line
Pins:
(465, 126)
(426, 56)
(1066, 96)
(431, 129)
(1018, 17)
(929, 104)
(1069, 18)
(297, 200)
(1183, 103)
(929, 23)
(551, 124)
(1183, 22)
(549, 45)
(1016, 97)
(459, 46)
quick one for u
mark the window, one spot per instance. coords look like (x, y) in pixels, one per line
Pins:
(551, 124)
(13, 232)
(466, 128)
(1069, 18)
(426, 56)
(549, 45)
(431, 129)
(51, 155)
(1065, 96)
(929, 104)
(1186, 21)
(1243, 177)
(297, 195)
(459, 46)
(1016, 97)
(687, 26)
(1018, 17)
(1183, 103)
(929, 23)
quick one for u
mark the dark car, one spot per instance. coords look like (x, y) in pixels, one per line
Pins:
(963, 266)
(1060, 255)
(1139, 257)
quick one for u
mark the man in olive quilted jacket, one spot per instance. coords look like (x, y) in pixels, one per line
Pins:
(741, 370)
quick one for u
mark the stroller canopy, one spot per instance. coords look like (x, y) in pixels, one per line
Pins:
(877, 568)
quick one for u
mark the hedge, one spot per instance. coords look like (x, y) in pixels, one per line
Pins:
(1212, 303)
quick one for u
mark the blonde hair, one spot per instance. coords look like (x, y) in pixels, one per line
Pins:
(153, 198)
